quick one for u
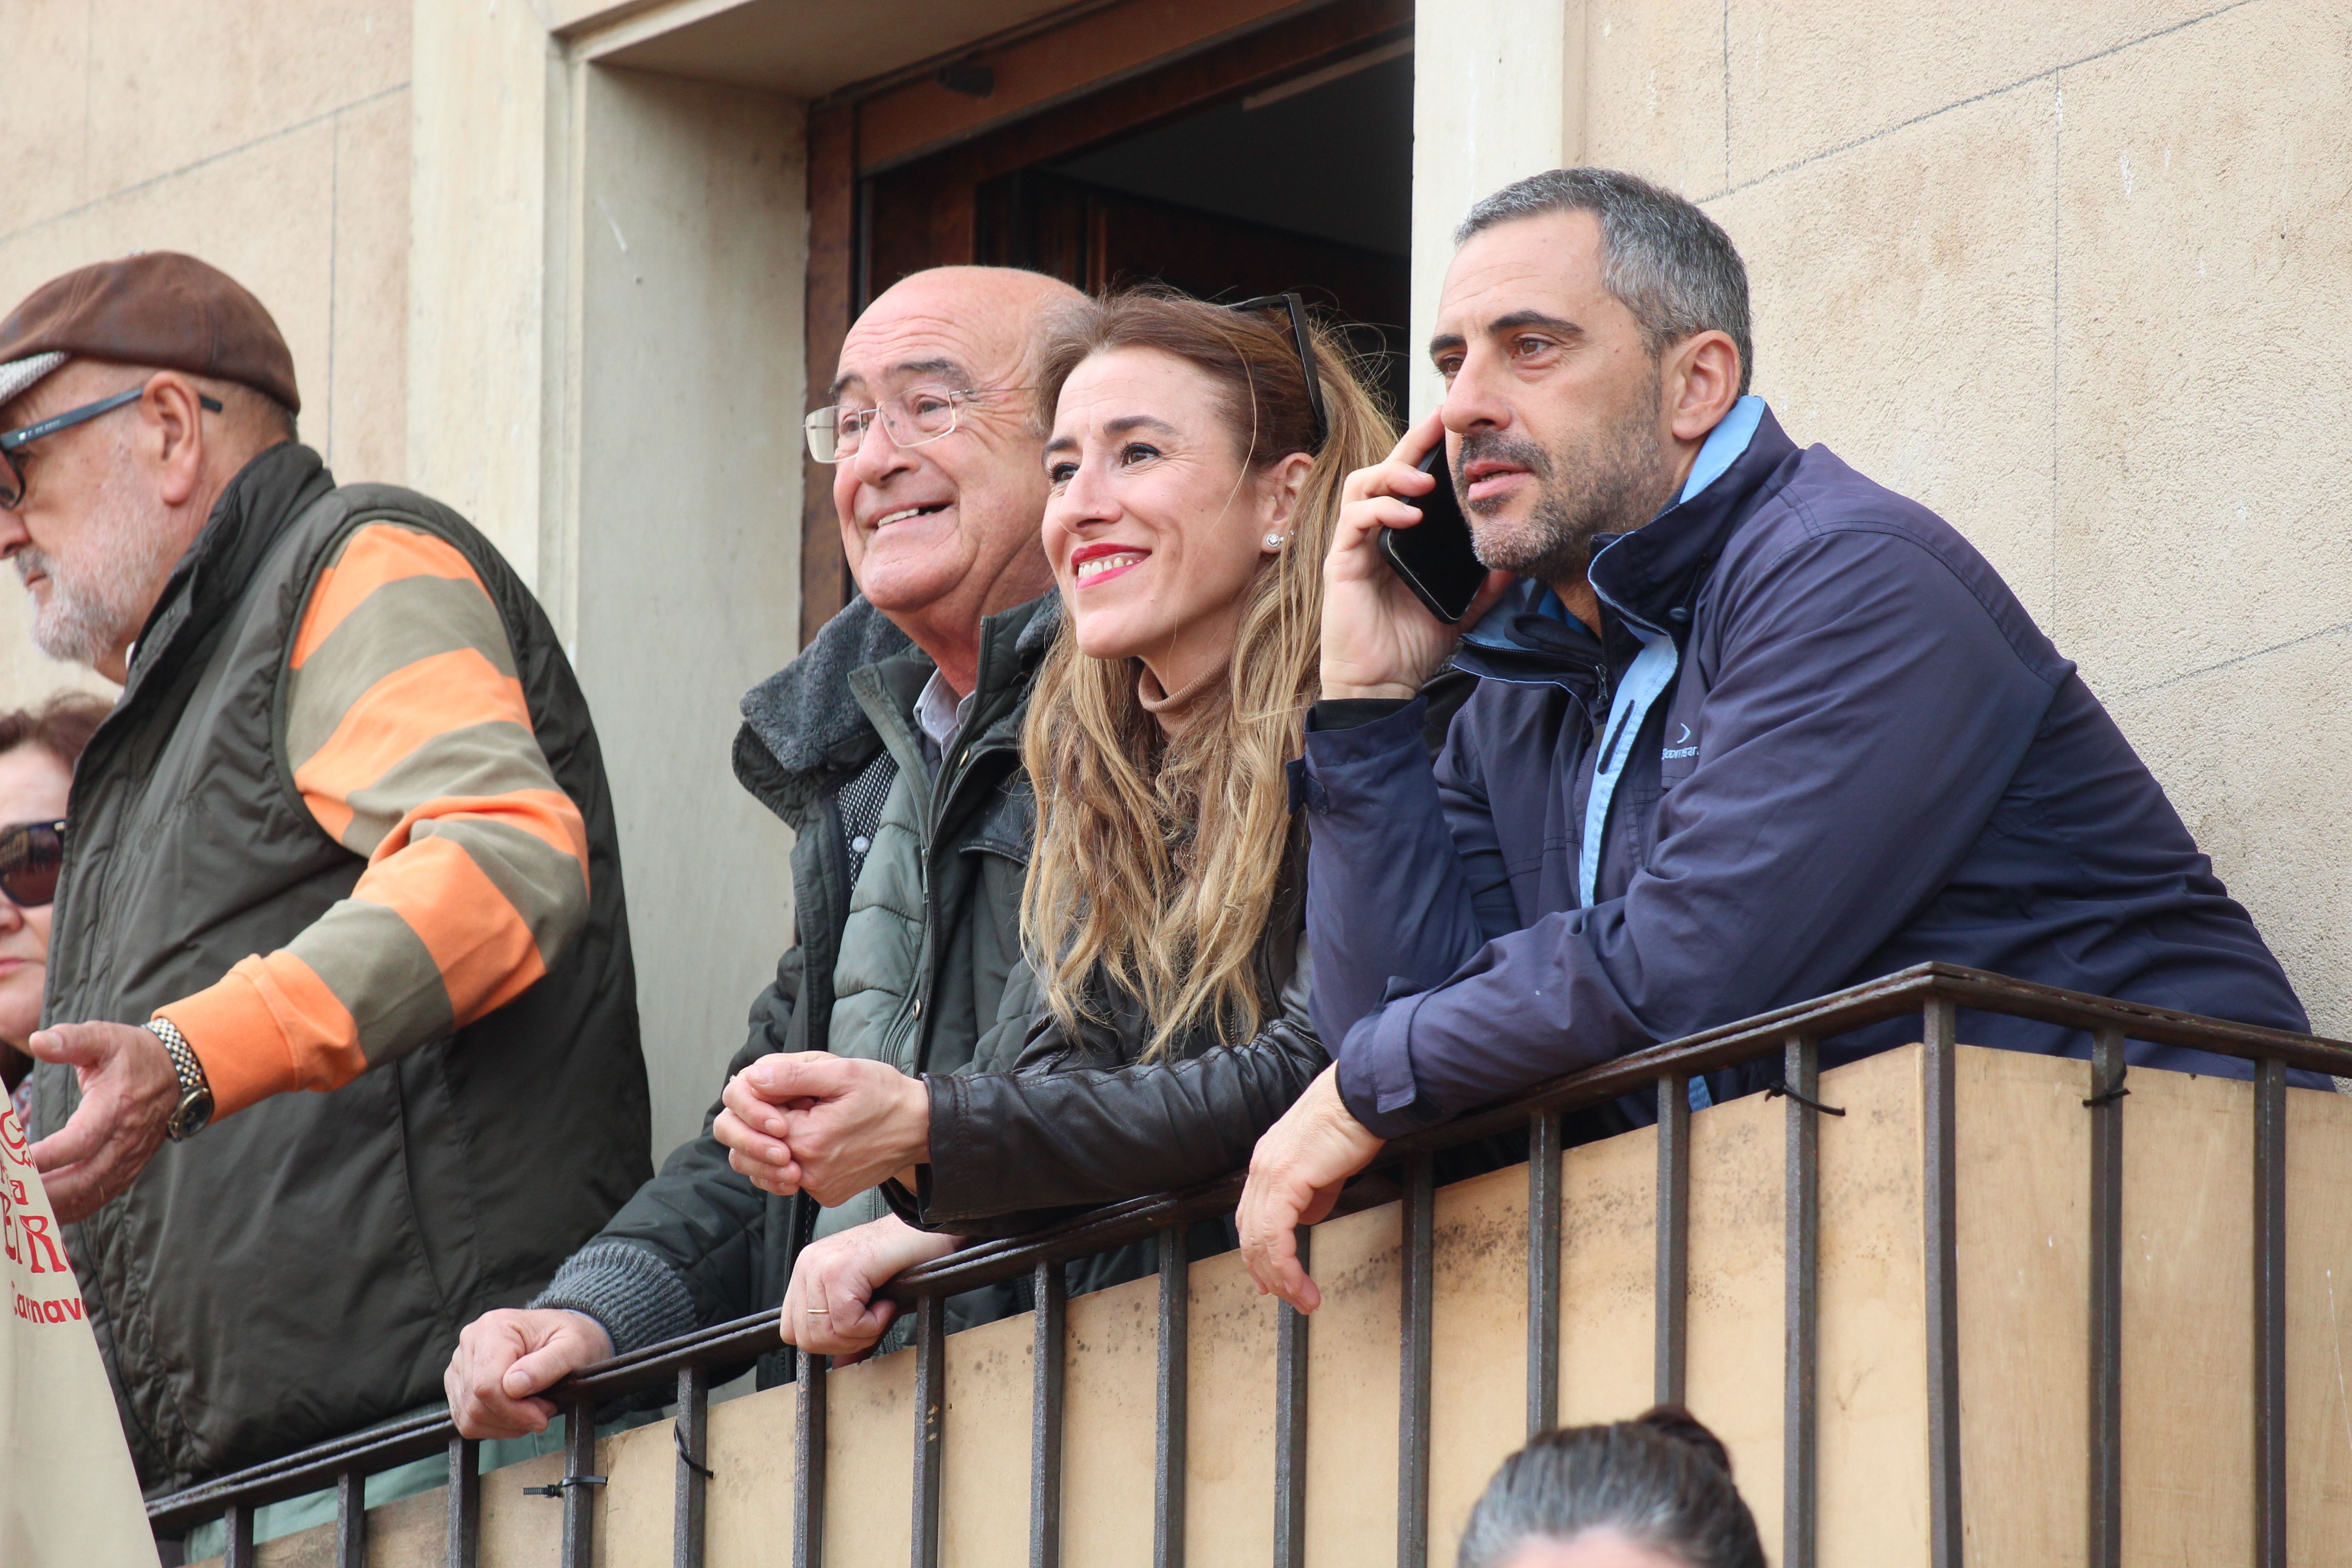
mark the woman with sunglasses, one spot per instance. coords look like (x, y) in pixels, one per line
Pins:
(1194, 464)
(39, 748)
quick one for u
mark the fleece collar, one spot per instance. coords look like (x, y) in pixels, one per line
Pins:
(803, 725)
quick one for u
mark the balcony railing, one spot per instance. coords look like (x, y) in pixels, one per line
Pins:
(1934, 992)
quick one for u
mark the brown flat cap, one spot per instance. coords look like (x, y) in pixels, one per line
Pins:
(161, 309)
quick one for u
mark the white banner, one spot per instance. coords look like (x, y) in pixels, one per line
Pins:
(68, 1498)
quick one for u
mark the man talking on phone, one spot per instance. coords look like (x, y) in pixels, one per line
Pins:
(1747, 727)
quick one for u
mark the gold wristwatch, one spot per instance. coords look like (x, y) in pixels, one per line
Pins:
(195, 1107)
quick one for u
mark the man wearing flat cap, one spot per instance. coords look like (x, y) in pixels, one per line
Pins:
(341, 1045)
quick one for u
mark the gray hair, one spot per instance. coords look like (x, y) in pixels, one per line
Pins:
(1662, 1481)
(1662, 258)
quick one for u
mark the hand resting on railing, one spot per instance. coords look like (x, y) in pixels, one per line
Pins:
(504, 1358)
(832, 1307)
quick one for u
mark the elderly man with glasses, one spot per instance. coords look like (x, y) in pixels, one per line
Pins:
(892, 747)
(340, 891)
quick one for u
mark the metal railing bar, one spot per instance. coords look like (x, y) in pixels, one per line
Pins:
(236, 1524)
(465, 1503)
(1290, 1329)
(1413, 1315)
(350, 1519)
(746, 1339)
(1671, 1306)
(1940, 1213)
(578, 1494)
(2270, 1314)
(2104, 1487)
(1175, 1401)
(691, 1435)
(1545, 1178)
(1048, 1364)
(1800, 1311)
(808, 1461)
(931, 1424)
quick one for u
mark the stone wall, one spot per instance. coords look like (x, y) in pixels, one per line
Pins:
(2069, 275)
(270, 138)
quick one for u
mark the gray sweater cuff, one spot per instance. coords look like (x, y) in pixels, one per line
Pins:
(639, 1298)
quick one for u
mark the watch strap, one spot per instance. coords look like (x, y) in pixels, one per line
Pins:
(196, 1090)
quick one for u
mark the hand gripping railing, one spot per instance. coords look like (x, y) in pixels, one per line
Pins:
(1935, 991)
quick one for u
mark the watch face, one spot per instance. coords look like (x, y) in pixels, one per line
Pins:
(190, 1118)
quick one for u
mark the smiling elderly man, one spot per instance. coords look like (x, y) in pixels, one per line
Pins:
(341, 902)
(892, 747)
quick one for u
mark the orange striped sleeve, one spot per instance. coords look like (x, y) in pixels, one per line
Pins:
(410, 739)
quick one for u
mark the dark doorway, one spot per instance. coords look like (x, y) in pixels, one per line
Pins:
(1303, 182)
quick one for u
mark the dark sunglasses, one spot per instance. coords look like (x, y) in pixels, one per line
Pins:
(12, 477)
(1306, 345)
(31, 854)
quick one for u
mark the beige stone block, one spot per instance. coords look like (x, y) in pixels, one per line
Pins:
(752, 1456)
(2188, 1320)
(984, 1483)
(1653, 92)
(635, 1510)
(2254, 755)
(1110, 1426)
(869, 1461)
(1229, 1392)
(265, 217)
(1911, 333)
(1608, 1294)
(1478, 1345)
(2319, 1308)
(1737, 1283)
(1351, 1391)
(1805, 80)
(172, 86)
(366, 429)
(2204, 235)
(44, 111)
(1873, 1366)
(2024, 1356)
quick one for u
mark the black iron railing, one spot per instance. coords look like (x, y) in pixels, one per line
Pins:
(1935, 993)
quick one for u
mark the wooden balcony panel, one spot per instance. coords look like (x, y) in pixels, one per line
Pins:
(2023, 1158)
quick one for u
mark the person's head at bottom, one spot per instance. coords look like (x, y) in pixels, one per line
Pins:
(1653, 1492)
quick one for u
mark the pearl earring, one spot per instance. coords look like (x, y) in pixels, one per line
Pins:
(1274, 542)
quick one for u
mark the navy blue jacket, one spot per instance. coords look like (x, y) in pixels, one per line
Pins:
(1869, 756)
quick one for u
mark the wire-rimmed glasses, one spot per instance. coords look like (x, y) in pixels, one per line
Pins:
(916, 416)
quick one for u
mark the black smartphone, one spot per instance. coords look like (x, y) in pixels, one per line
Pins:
(1435, 557)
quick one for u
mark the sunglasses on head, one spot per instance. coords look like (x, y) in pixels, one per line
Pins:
(1296, 307)
(31, 854)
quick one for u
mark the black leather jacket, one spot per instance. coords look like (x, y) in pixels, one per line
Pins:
(1045, 1123)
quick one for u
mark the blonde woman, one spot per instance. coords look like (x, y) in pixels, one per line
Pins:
(1194, 466)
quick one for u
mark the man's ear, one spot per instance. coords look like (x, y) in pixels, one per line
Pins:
(1702, 383)
(173, 412)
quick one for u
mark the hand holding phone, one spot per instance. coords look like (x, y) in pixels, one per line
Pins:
(1395, 593)
(1436, 557)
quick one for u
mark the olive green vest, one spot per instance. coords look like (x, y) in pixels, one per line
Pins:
(301, 1267)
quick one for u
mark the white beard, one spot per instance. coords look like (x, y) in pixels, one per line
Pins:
(100, 589)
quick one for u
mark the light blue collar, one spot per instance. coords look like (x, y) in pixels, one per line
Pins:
(1724, 444)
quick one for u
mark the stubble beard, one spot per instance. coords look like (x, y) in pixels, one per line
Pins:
(98, 590)
(1611, 481)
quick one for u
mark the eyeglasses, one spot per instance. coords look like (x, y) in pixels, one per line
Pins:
(919, 414)
(12, 477)
(31, 854)
(1305, 342)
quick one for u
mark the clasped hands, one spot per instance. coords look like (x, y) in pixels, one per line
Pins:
(829, 1126)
